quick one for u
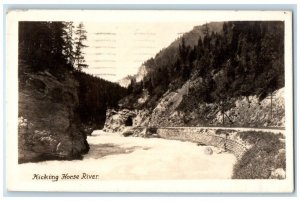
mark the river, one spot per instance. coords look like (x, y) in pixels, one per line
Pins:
(114, 157)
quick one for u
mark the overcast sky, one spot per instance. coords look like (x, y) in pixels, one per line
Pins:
(116, 49)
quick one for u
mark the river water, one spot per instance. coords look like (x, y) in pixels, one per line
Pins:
(114, 157)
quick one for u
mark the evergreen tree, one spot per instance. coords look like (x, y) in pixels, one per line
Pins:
(69, 42)
(183, 51)
(199, 49)
(78, 55)
(57, 45)
(41, 45)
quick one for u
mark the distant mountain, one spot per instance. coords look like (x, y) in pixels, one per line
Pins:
(125, 82)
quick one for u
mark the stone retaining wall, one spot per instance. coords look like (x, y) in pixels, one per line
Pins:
(224, 140)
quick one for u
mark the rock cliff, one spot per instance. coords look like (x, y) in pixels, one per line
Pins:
(48, 124)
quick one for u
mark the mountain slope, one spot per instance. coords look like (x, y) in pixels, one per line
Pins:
(213, 73)
(171, 52)
(191, 39)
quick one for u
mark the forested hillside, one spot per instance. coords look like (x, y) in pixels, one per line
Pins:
(239, 59)
(224, 73)
(96, 96)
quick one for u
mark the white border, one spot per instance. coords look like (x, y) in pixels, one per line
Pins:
(14, 183)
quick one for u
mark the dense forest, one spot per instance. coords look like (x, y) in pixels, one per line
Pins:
(56, 48)
(242, 59)
(96, 95)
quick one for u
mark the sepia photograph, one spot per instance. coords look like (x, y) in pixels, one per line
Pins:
(160, 101)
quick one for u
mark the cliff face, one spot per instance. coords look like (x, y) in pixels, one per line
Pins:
(48, 125)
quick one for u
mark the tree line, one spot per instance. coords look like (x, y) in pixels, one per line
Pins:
(52, 46)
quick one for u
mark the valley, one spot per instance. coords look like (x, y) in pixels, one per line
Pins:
(215, 97)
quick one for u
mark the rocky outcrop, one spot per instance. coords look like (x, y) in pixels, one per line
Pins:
(142, 72)
(115, 120)
(166, 113)
(250, 112)
(48, 125)
(243, 112)
(119, 120)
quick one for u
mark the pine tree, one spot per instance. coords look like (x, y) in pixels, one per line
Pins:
(57, 45)
(183, 50)
(42, 45)
(69, 42)
(78, 55)
(199, 49)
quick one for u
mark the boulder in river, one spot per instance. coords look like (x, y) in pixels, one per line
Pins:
(208, 151)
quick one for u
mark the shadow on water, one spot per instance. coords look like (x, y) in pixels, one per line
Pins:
(50, 157)
(96, 151)
(101, 150)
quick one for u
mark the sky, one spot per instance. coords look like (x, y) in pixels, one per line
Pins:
(118, 49)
